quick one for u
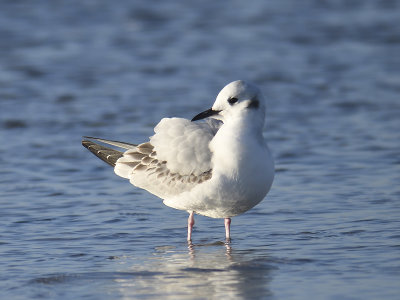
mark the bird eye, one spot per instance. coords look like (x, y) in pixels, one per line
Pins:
(232, 100)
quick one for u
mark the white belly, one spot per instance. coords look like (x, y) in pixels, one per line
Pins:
(228, 195)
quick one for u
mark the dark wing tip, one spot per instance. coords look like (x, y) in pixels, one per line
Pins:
(86, 143)
(108, 155)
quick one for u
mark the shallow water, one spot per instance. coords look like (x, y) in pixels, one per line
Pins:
(70, 228)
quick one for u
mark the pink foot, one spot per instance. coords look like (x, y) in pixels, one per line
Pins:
(190, 226)
(228, 229)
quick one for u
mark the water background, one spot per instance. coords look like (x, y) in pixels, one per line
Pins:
(71, 229)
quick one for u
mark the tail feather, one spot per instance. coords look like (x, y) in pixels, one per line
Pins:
(108, 155)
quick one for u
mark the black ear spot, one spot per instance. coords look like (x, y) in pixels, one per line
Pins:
(253, 104)
(233, 100)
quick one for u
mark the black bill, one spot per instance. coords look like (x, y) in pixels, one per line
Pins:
(205, 114)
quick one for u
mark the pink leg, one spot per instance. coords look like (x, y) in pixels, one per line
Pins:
(228, 229)
(190, 226)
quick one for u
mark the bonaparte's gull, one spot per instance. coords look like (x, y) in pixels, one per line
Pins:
(220, 167)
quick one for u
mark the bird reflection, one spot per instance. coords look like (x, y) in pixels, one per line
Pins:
(192, 248)
(204, 270)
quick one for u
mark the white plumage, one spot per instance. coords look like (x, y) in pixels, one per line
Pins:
(219, 168)
(184, 145)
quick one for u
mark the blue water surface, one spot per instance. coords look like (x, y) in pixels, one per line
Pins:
(71, 229)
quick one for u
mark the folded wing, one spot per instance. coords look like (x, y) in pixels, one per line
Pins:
(176, 158)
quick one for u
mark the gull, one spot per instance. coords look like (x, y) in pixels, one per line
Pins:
(219, 167)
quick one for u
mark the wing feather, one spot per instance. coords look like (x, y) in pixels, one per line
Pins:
(175, 160)
(108, 155)
(113, 143)
(184, 145)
